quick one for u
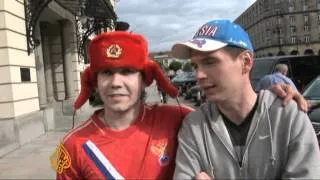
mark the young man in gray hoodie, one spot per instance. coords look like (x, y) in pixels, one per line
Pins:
(238, 133)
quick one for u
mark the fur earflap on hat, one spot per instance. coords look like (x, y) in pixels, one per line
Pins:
(120, 49)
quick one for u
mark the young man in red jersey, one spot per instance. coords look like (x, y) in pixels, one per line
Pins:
(127, 139)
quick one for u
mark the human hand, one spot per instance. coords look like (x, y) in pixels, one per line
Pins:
(287, 92)
(203, 176)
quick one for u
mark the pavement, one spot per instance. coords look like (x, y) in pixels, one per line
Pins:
(31, 161)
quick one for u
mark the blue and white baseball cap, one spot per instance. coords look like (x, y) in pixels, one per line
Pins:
(212, 36)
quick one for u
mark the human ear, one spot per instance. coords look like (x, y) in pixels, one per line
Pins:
(247, 61)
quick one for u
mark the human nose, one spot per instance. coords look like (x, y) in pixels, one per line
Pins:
(200, 73)
(116, 80)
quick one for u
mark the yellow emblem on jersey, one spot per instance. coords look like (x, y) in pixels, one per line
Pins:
(158, 148)
(60, 159)
(114, 51)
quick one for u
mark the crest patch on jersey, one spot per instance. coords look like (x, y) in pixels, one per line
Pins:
(159, 148)
(60, 159)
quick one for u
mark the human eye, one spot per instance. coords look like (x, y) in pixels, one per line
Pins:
(209, 61)
(107, 72)
(127, 71)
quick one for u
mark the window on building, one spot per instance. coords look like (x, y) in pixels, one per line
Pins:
(293, 29)
(268, 33)
(293, 39)
(291, 7)
(306, 28)
(281, 41)
(318, 4)
(280, 31)
(307, 38)
(266, 8)
(305, 7)
(318, 17)
(279, 19)
(306, 18)
(268, 41)
(292, 19)
(25, 74)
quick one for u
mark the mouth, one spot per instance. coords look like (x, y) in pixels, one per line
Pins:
(208, 87)
(117, 95)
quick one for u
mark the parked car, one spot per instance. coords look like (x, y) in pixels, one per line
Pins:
(193, 93)
(312, 94)
(301, 69)
(185, 77)
(196, 95)
(184, 81)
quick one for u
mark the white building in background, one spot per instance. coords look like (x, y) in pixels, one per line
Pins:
(165, 57)
(37, 90)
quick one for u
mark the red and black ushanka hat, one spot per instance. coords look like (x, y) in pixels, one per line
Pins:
(120, 49)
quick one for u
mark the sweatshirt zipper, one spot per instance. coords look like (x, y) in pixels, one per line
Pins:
(244, 159)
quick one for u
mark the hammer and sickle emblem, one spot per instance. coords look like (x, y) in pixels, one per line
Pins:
(114, 51)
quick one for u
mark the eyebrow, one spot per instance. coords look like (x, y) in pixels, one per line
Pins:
(209, 58)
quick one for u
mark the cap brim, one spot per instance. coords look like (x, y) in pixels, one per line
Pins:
(182, 50)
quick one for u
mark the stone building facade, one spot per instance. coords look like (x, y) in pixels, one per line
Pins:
(283, 27)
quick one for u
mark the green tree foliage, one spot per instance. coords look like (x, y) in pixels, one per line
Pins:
(175, 65)
(187, 67)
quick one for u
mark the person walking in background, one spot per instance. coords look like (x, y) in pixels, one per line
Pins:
(239, 134)
(162, 95)
(279, 76)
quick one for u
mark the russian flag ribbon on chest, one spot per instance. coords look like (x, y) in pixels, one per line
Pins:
(102, 163)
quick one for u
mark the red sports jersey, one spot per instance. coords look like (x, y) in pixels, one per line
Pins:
(145, 150)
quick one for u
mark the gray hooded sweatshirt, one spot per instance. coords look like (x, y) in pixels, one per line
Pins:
(281, 143)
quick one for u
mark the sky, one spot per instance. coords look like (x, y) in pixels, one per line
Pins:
(166, 22)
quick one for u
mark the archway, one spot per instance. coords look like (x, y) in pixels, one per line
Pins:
(294, 52)
(308, 52)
